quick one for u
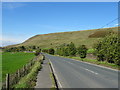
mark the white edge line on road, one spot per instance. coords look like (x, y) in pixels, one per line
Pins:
(55, 74)
(96, 65)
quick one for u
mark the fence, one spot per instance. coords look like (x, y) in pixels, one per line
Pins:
(12, 79)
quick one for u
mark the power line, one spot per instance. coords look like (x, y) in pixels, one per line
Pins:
(109, 22)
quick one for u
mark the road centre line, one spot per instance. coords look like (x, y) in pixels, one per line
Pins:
(86, 69)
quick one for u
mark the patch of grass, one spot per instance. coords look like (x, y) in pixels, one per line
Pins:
(29, 80)
(11, 62)
(99, 34)
(91, 50)
(53, 82)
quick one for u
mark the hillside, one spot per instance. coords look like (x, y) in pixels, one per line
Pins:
(77, 37)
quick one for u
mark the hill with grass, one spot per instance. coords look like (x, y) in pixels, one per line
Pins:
(52, 40)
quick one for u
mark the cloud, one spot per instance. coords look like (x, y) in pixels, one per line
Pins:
(8, 41)
(12, 5)
(118, 24)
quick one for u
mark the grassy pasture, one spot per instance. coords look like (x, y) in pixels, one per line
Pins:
(14, 61)
(51, 40)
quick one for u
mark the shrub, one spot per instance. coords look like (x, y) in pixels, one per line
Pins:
(51, 51)
(82, 51)
(38, 52)
(72, 49)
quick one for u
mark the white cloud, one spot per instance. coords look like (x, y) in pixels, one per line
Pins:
(117, 24)
(8, 41)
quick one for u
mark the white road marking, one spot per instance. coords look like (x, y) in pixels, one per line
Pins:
(95, 65)
(85, 69)
(70, 63)
(56, 75)
(91, 71)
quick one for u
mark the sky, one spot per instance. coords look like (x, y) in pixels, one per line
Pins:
(22, 20)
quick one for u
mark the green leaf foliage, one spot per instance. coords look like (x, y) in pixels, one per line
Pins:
(82, 51)
(72, 49)
(108, 49)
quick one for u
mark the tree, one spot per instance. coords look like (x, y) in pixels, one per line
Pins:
(108, 48)
(66, 51)
(22, 48)
(72, 49)
(82, 51)
(33, 47)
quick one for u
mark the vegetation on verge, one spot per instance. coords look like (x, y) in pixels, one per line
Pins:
(108, 49)
(38, 52)
(66, 50)
(21, 48)
(29, 80)
(53, 82)
(94, 61)
(82, 51)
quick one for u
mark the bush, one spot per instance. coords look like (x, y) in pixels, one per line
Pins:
(82, 51)
(72, 49)
(45, 50)
(51, 51)
(108, 48)
(66, 50)
(38, 52)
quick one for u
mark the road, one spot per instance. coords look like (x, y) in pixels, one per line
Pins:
(75, 74)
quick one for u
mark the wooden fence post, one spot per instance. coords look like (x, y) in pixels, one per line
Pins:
(7, 81)
(30, 63)
(18, 73)
(23, 71)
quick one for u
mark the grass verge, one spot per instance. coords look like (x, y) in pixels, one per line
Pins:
(53, 82)
(29, 80)
(102, 63)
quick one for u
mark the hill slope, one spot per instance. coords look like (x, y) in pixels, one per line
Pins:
(77, 37)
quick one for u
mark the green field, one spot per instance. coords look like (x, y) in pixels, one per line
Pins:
(11, 62)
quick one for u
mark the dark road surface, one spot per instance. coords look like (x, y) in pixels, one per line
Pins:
(75, 74)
